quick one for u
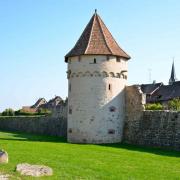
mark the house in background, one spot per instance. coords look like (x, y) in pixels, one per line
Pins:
(52, 105)
(160, 93)
(39, 103)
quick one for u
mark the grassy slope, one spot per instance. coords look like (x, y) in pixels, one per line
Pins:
(72, 161)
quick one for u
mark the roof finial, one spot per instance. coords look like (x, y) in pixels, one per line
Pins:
(95, 11)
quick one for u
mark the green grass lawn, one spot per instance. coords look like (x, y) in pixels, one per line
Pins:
(74, 161)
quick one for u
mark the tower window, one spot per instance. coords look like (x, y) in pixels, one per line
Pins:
(70, 110)
(94, 60)
(109, 86)
(111, 131)
(79, 58)
(118, 59)
(112, 109)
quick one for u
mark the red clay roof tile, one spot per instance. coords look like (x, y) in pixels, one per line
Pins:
(96, 40)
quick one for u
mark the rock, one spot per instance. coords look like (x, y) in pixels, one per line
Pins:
(34, 170)
(3, 156)
(4, 176)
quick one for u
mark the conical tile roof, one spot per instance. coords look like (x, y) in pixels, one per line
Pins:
(96, 40)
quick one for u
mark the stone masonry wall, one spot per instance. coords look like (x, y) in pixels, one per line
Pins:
(44, 125)
(134, 107)
(149, 128)
(96, 99)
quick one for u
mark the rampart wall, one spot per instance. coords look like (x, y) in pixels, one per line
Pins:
(43, 125)
(149, 128)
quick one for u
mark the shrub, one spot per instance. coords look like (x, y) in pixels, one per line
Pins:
(42, 111)
(8, 112)
(174, 104)
(154, 106)
(21, 112)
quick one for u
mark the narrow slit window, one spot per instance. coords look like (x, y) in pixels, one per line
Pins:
(69, 87)
(94, 60)
(70, 130)
(109, 86)
(79, 58)
(70, 110)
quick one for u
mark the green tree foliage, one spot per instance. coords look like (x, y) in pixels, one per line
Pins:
(8, 112)
(174, 104)
(154, 106)
(22, 112)
(42, 111)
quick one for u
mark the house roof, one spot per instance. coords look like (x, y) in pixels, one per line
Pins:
(54, 101)
(150, 88)
(166, 92)
(96, 39)
(40, 102)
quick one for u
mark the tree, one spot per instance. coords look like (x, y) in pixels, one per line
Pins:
(8, 112)
(155, 106)
(42, 111)
(174, 104)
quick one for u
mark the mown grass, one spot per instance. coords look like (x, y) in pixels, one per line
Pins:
(75, 161)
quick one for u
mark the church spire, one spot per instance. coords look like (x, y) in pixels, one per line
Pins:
(173, 75)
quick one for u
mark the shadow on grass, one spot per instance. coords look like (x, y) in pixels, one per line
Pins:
(16, 136)
(145, 149)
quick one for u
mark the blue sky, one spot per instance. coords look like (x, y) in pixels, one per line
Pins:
(36, 34)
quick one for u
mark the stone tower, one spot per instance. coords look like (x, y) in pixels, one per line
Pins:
(97, 75)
